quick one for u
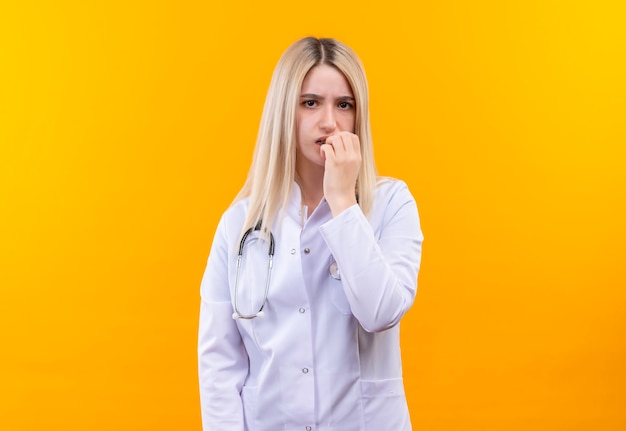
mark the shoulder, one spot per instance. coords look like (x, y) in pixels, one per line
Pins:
(390, 189)
(233, 218)
(391, 198)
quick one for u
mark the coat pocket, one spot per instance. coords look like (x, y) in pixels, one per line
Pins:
(384, 405)
(338, 297)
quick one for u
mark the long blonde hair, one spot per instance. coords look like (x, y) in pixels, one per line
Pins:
(273, 168)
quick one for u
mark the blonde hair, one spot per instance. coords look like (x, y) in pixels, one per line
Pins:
(273, 167)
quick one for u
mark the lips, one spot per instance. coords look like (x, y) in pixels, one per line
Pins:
(322, 140)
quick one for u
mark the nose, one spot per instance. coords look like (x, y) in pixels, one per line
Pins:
(328, 122)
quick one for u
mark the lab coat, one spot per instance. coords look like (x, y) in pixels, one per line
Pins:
(326, 353)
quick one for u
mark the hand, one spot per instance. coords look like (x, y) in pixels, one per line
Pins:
(342, 154)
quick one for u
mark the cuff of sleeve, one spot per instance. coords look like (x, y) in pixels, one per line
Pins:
(349, 218)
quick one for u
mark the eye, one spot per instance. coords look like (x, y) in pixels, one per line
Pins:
(310, 103)
(345, 105)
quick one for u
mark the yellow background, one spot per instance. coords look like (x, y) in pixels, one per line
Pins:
(127, 127)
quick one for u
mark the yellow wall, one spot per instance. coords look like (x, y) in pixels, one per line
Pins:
(126, 128)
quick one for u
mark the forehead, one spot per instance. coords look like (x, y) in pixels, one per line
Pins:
(325, 79)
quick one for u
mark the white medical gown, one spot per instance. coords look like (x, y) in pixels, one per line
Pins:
(326, 353)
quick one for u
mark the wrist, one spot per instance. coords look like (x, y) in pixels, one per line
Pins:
(339, 205)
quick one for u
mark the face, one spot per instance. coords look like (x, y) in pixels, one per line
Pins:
(326, 107)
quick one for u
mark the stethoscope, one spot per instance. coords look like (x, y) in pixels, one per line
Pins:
(237, 314)
(333, 270)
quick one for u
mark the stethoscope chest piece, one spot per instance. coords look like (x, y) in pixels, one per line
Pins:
(334, 271)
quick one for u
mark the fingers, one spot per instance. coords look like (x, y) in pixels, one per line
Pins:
(342, 154)
(342, 147)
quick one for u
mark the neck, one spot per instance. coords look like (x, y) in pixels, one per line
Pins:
(311, 182)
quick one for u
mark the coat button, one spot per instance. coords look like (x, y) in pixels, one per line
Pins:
(301, 310)
(305, 370)
(293, 251)
(309, 429)
(307, 250)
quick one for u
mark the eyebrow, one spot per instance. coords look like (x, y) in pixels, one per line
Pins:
(318, 97)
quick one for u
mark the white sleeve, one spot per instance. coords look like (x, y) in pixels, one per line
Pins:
(222, 359)
(379, 277)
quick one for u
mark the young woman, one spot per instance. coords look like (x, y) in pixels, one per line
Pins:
(312, 267)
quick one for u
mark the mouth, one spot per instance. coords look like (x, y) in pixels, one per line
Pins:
(322, 140)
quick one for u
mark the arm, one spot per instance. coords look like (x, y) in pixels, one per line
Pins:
(222, 359)
(379, 277)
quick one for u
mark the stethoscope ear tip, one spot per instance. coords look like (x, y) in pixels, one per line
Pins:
(235, 316)
(260, 313)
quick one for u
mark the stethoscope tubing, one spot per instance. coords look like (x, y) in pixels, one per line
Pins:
(237, 314)
(333, 270)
